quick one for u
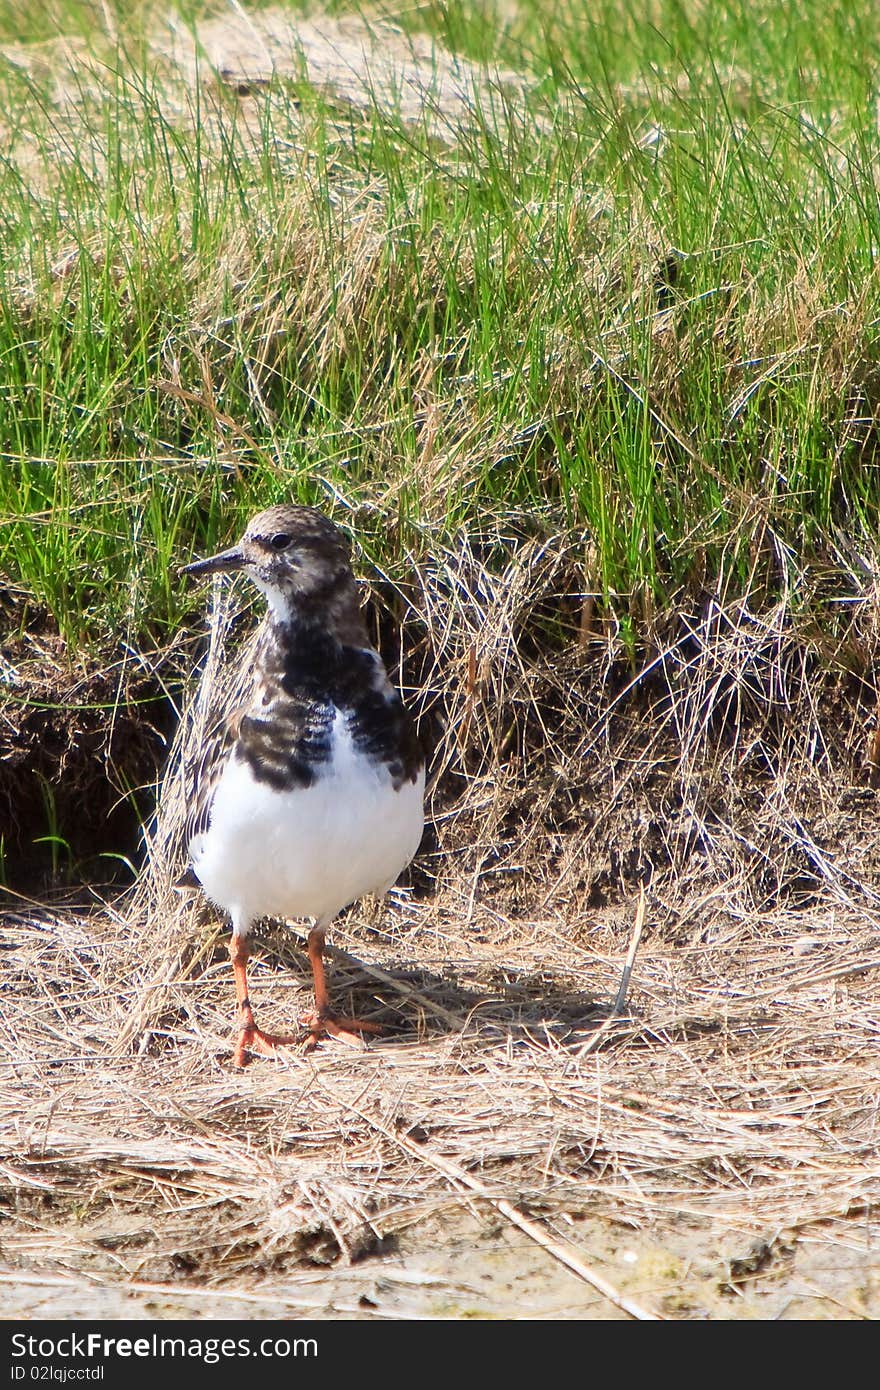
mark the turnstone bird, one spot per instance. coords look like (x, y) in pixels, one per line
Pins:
(311, 795)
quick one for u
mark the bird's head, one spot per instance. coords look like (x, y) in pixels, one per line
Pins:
(296, 555)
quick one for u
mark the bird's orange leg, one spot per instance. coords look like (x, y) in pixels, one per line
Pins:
(250, 1038)
(323, 1019)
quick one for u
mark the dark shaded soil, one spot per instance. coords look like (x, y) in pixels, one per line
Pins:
(81, 742)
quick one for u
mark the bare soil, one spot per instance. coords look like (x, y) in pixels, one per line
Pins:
(372, 65)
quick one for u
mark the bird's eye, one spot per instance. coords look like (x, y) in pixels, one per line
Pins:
(281, 541)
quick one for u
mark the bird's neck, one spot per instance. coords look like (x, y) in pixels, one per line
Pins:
(332, 614)
(301, 656)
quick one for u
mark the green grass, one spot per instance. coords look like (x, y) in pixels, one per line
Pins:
(637, 298)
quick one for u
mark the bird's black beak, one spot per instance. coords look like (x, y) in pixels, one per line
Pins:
(231, 559)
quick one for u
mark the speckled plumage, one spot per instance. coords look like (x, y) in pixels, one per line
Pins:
(311, 795)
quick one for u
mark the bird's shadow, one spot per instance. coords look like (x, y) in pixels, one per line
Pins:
(411, 1003)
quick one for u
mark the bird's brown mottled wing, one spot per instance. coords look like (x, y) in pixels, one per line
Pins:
(202, 773)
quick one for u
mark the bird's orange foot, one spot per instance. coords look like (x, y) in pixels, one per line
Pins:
(253, 1039)
(324, 1023)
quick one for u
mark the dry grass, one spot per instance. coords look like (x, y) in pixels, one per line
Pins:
(712, 1152)
(736, 1103)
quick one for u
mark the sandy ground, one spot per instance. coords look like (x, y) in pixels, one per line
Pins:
(371, 65)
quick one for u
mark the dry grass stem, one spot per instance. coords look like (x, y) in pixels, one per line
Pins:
(560, 1251)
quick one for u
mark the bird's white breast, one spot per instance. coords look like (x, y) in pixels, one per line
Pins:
(309, 851)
